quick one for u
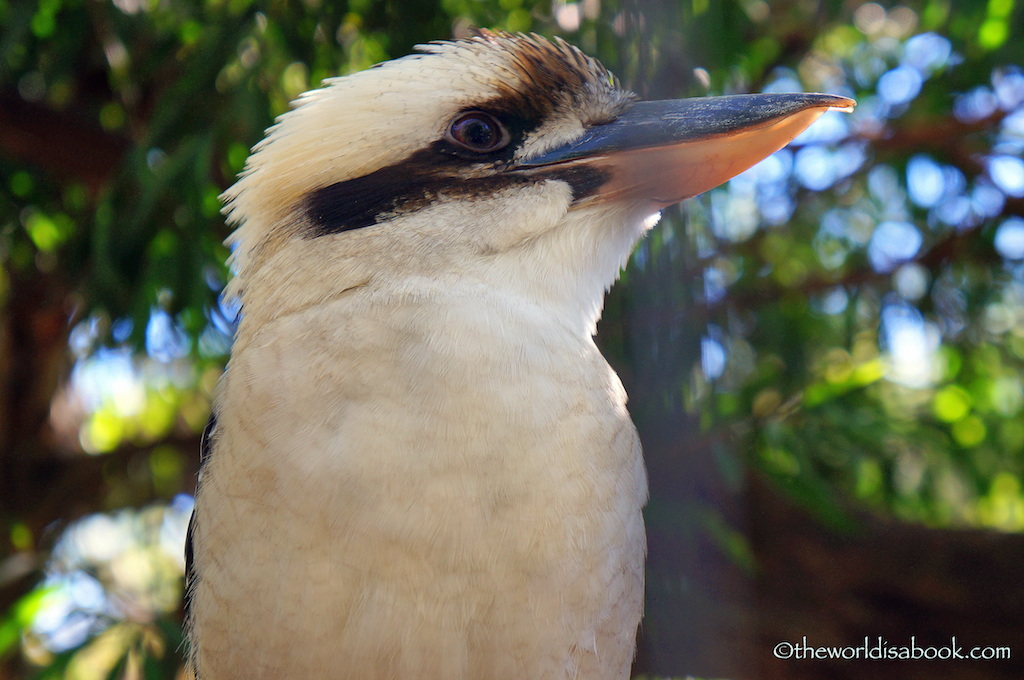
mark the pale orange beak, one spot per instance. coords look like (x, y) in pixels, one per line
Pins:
(665, 151)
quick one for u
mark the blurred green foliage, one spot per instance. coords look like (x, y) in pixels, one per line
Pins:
(849, 316)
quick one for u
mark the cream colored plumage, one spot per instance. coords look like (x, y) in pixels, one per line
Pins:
(422, 467)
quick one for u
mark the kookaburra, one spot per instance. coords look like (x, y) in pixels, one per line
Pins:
(420, 465)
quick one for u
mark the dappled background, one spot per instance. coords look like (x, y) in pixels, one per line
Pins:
(824, 356)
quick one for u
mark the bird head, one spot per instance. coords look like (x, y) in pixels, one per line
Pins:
(503, 160)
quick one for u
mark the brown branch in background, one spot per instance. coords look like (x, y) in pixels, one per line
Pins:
(61, 143)
(944, 136)
(887, 578)
(961, 246)
(948, 139)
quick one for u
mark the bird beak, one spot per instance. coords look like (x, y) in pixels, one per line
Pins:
(665, 151)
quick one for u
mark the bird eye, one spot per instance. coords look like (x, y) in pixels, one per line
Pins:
(478, 132)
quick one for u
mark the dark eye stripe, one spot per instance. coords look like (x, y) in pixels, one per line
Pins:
(415, 183)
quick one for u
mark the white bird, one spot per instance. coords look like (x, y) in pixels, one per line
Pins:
(421, 466)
